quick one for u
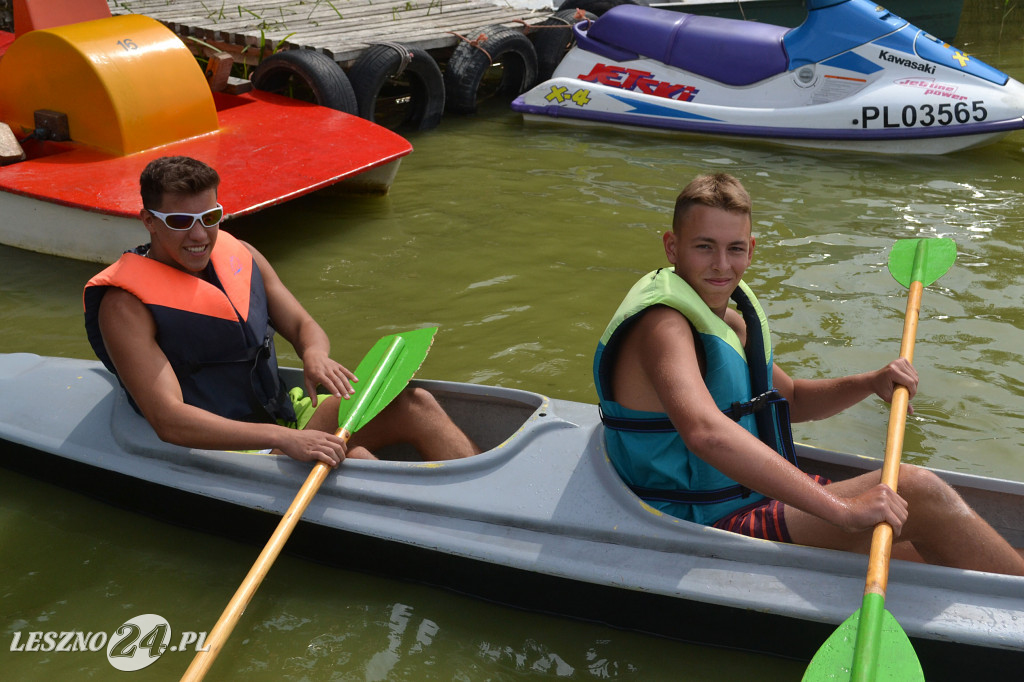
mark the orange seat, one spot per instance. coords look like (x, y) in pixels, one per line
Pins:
(32, 14)
(125, 83)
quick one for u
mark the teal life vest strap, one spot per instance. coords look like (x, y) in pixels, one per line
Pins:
(735, 412)
(774, 431)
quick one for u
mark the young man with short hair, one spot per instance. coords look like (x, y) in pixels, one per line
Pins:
(677, 373)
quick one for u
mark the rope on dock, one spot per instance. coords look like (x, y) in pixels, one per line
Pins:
(403, 52)
(553, 21)
(475, 43)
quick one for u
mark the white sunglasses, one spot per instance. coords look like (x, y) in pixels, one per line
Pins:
(180, 222)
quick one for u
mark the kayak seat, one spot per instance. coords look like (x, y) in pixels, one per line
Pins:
(116, 100)
(729, 51)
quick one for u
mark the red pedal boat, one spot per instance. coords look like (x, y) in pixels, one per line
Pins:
(91, 103)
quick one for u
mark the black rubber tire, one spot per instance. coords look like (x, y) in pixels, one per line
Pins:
(595, 7)
(509, 49)
(379, 70)
(307, 75)
(553, 38)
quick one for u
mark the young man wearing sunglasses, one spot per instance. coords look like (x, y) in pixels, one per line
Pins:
(187, 321)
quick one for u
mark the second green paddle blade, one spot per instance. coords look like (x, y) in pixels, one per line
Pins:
(897, 660)
(936, 257)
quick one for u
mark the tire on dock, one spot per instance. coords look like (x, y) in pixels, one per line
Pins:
(554, 37)
(309, 76)
(503, 63)
(397, 86)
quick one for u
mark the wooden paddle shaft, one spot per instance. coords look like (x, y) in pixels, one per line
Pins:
(236, 607)
(881, 539)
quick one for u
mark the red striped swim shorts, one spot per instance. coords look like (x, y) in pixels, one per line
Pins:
(764, 519)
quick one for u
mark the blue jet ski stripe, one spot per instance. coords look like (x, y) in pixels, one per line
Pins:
(651, 109)
(851, 61)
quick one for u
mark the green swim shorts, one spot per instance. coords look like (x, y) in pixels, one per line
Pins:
(304, 410)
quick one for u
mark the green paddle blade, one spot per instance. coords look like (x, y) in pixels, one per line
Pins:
(402, 355)
(921, 260)
(897, 660)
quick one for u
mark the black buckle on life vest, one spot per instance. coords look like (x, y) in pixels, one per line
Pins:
(739, 410)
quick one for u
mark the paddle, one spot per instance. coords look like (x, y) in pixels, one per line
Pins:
(382, 374)
(870, 644)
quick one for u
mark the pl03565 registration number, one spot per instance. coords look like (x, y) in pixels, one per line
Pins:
(925, 115)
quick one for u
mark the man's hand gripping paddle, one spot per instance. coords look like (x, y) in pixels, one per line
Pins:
(382, 375)
(870, 645)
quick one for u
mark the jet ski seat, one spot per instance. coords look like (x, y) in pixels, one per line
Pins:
(729, 51)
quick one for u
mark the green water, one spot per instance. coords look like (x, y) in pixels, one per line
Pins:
(518, 241)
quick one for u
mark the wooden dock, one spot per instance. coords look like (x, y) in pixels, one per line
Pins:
(341, 29)
(405, 45)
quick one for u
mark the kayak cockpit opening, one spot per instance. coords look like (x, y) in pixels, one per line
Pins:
(489, 415)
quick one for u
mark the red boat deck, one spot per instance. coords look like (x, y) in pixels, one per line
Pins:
(253, 176)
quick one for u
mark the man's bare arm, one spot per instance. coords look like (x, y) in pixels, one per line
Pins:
(662, 344)
(812, 399)
(308, 338)
(129, 334)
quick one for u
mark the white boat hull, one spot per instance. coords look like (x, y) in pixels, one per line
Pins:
(58, 230)
(898, 90)
(75, 232)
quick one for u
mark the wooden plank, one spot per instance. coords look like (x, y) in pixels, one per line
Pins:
(286, 19)
(391, 20)
(382, 30)
(424, 24)
(469, 26)
(314, 24)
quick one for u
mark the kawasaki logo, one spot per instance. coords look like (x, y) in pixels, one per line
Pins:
(885, 55)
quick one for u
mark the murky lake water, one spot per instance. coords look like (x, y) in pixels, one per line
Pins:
(518, 241)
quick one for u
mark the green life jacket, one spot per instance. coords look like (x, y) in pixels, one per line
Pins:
(645, 447)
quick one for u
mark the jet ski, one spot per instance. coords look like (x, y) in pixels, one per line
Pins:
(852, 76)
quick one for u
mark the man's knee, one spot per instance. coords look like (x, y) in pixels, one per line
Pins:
(916, 478)
(418, 402)
(922, 485)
